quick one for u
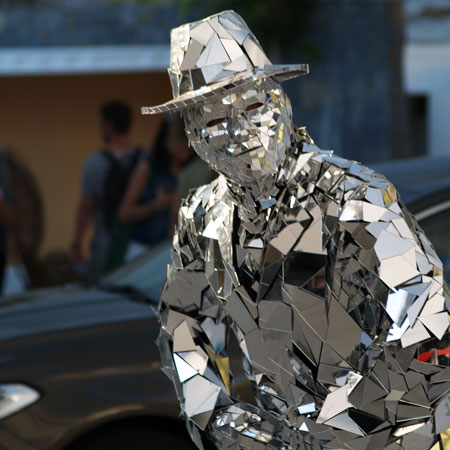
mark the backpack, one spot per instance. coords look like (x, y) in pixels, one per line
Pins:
(116, 183)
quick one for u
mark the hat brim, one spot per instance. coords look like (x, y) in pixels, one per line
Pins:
(211, 92)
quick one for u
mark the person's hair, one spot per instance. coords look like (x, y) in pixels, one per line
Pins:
(118, 114)
(159, 153)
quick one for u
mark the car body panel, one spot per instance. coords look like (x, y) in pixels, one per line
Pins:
(102, 370)
(417, 178)
(64, 308)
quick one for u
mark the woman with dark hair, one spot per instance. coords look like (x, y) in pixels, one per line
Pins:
(150, 202)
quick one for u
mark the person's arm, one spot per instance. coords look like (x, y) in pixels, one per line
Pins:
(395, 260)
(174, 215)
(83, 219)
(202, 357)
(196, 355)
(9, 222)
(390, 300)
(6, 216)
(131, 210)
(86, 205)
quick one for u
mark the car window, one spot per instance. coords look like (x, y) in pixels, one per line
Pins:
(437, 229)
(146, 273)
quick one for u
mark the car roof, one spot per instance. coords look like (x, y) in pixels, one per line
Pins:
(417, 178)
(65, 307)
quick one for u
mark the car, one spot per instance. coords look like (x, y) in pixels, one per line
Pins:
(79, 368)
(78, 365)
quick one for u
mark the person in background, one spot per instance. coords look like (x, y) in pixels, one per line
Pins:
(195, 173)
(150, 203)
(105, 178)
(8, 223)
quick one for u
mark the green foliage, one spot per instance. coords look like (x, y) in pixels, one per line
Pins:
(139, 2)
(277, 24)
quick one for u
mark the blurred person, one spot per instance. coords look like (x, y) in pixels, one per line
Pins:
(195, 173)
(105, 176)
(150, 203)
(8, 223)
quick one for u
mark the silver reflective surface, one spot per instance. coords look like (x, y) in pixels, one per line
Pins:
(215, 56)
(245, 134)
(312, 269)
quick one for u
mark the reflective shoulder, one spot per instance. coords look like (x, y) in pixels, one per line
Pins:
(203, 199)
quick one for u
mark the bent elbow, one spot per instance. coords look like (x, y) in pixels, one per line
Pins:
(124, 215)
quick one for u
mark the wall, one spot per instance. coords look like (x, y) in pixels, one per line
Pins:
(52, 123)
(427, 73)
(427, 66)
(352, 100)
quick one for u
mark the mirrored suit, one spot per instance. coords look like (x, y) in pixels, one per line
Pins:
(304, 308)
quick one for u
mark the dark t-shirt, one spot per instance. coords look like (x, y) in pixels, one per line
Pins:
(4, 197)
(95, 170)
(155, 229)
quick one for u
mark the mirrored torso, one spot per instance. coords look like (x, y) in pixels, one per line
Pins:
(329, 287)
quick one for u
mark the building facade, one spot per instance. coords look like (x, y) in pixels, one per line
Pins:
(60, 59)
(427, 74)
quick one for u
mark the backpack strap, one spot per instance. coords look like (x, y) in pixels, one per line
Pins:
(110, 157)
(117, 178)
(138, 152)
(113, 160)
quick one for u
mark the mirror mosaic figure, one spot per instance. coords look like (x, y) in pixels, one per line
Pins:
(308, 264)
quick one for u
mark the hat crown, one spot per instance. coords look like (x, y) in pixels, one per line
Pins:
(212, 50)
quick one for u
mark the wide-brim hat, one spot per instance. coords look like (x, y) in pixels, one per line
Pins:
(211, 57)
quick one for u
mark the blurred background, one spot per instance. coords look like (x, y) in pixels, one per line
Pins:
(378, 89)
(378, 92)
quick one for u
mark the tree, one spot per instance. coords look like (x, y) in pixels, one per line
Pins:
(278, 24)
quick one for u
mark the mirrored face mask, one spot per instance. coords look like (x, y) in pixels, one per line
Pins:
(244, 135)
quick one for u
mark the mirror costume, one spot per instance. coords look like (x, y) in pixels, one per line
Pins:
(303, 301)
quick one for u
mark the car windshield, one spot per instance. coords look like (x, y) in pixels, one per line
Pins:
(145, 273)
